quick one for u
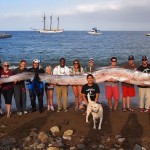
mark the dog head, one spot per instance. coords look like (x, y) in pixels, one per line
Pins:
(95, 107)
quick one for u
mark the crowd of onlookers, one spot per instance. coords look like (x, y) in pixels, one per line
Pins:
(36, 88)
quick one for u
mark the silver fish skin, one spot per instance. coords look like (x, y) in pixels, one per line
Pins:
(103, 74)
(19, 77)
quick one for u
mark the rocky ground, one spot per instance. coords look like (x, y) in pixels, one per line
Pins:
(69, 131)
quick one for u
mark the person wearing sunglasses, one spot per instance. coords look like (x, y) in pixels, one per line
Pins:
(7, 88)
(144, 90)
(128, 89)
(91, 66)
(77, 70)
(112, 89)
(20, 89)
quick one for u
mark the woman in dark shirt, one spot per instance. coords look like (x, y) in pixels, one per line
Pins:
(7, 88)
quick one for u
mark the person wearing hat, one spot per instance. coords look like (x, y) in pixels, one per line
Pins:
(91, 67)
(36, 87)
(128, 90)
(144, 90)
(62, 90)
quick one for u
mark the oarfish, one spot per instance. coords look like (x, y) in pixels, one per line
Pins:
(18, 77)
(104, 74)
(101, 75)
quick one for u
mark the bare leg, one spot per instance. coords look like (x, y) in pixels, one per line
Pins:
(80, 94)
(110, 103)
(115, 104)
(75, 91)
(8, 108)
(51, 97)
(124, 101)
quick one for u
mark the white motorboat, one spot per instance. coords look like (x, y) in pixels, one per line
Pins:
(5, 35)
(148, 34)
(95, 31)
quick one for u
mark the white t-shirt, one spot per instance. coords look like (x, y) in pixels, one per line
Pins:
(61, 70)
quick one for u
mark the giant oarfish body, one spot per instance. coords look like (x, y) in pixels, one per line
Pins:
(103, 74)
(18, 77)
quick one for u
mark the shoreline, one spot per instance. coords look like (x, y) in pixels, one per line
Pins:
(133, 126)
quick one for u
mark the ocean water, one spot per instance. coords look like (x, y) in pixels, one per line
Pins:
(49, 48)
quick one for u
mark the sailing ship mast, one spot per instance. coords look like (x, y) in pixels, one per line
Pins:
(44, 18)
(50, 22)
(58, 24)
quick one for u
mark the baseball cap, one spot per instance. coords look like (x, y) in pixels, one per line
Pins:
(36, 61)
(144, 57)
(91, 60)
(131, 57)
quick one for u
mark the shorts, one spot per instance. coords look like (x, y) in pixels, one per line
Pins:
(128, 91)
(8, 95)
(112, 92)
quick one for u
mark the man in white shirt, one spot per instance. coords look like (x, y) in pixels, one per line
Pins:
(62, 90)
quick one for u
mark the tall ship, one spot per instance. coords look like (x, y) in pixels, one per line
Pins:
(50, 30)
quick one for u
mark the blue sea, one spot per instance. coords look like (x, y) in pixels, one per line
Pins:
(49, 48)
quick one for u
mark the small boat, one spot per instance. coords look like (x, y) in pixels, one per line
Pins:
(148, 34)
(4, 35)
(44, 30)
(95, 31)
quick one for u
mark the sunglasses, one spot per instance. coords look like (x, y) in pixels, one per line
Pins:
(113, 61)
(144, 59)
(76, 63)
(6, 65)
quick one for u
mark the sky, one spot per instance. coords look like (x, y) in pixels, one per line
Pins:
(82, 15)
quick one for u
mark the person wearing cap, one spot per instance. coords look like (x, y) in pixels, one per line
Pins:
(144, 90)
(39, 89)
(62, 90)
(91, 66)
(20, 89)
(112, 89)
(128, 90)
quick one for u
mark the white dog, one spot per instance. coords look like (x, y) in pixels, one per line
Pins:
(96, 110)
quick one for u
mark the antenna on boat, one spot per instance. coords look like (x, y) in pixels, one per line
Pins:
(51, 22)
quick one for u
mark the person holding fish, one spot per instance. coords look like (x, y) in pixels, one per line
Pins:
(20, 89)
(112, 89)
(128, 90)
(77, 70)
(7, 88)
(36, 87)
(49, 89)
(144, 90)
(62, 90)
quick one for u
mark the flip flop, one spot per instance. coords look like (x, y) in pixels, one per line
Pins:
(124, 109)
(130, 109)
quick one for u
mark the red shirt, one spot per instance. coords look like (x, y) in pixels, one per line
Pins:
(6, 86)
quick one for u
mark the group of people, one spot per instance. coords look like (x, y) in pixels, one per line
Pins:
(36, 87)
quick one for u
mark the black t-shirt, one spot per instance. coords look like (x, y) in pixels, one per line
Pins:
(144, 70)
(92, 90)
